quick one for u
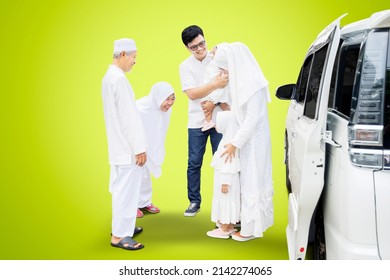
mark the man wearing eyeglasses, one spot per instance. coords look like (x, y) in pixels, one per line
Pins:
(192, 72)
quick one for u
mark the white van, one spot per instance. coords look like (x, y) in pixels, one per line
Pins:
(337, 144)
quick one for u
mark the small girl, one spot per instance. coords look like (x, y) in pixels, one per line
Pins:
(218, 97)
(226, 199)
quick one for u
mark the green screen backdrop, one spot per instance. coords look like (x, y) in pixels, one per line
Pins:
(54, 199)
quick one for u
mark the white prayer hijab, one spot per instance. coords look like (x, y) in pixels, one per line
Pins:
(155, 124)
(212, 69)
(245, 75)
(227, 125)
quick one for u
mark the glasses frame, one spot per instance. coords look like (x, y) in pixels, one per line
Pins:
(195, 47)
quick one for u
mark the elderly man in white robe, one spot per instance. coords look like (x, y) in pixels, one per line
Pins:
(126, 145)
(249, 94)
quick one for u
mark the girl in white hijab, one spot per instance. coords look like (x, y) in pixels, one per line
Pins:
(226, 199)
(249, 94)
(155, 111)
(217, 96)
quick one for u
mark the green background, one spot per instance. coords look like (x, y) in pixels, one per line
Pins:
(54, 199)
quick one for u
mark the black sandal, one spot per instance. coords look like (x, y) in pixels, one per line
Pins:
(138, 230)
(130, 244)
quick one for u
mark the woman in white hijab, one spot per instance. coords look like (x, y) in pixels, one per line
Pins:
(155, 111)
(249, 94)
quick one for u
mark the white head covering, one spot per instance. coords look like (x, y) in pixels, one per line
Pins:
(245, 75)
(155, 124)
(124, 45)
(212, 68)
(227, 125)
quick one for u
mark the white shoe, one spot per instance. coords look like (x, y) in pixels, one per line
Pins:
(243, 238)
(219, 233)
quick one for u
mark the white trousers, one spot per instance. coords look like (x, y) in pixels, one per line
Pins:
(145, 197)
(125, 183)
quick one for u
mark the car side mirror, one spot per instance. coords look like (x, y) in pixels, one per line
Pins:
(286, 92)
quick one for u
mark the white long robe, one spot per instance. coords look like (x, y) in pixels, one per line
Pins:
(126, 138)
(249, 94)
(125, 133)
(156, 124)
(254, 141)
(226, 206)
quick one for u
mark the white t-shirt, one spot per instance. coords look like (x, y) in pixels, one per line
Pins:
(192, 73)
(125, 133)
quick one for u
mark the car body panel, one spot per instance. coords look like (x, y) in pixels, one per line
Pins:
(307, 152)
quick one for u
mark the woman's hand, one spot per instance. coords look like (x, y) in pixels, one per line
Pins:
(207, 107)
(230, 152)
(224, 188)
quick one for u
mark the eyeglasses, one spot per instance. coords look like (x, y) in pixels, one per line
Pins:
(195, 47)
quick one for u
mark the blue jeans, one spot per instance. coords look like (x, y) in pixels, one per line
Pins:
(197, 140)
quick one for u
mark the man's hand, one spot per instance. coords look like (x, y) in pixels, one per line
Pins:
(222, 79)
(140, 159)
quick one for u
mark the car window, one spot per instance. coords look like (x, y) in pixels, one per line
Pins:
(345, 77)
(332, 89)
(303, 79)
(314, 82)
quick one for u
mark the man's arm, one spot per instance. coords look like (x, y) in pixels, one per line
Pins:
(220, 81)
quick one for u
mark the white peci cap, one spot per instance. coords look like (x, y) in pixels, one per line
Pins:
(124, 45)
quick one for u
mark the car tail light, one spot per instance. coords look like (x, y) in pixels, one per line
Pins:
(367, 102)
(366, 135)
(367, 158)
(366, 126)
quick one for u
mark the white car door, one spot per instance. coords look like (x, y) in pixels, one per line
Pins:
(307, 140)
